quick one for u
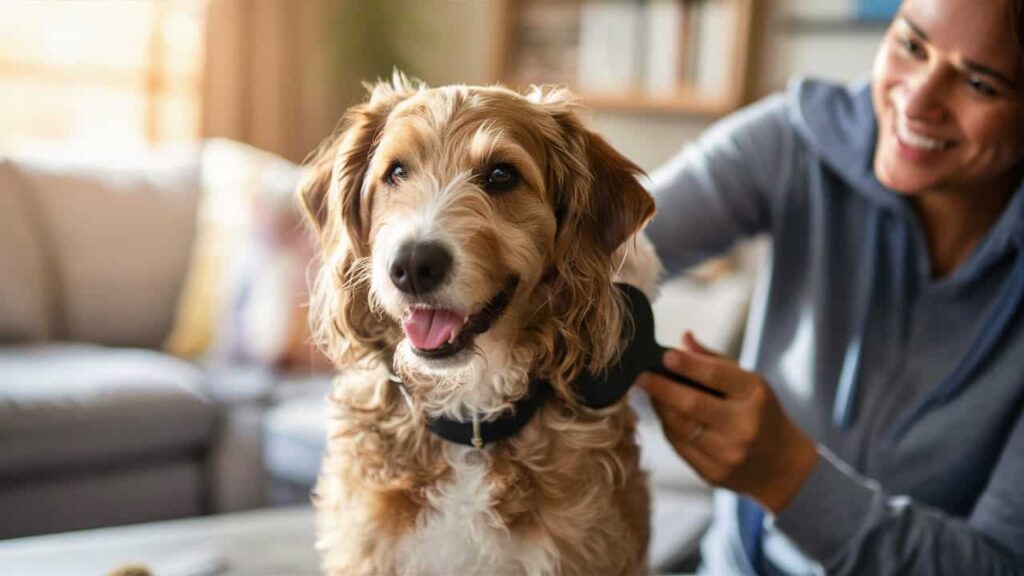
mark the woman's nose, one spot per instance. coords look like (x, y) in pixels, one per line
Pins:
(926, 97)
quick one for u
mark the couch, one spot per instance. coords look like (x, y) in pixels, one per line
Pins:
(131, 391)
(99, 425)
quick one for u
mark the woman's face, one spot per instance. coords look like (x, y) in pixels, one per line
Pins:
(949, 96)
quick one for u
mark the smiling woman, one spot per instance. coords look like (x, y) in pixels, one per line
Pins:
(948, 95)
(879, 411)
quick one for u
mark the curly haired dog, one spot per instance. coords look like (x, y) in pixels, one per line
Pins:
(470, 237)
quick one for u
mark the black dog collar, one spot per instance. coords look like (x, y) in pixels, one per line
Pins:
(476, 433)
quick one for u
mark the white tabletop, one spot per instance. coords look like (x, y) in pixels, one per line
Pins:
(266, 542)
(276, 542)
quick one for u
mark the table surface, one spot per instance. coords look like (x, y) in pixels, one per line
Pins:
(270, 542)
(277, 541)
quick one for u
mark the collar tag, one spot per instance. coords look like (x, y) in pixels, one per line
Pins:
(401, 387)
(478, 441)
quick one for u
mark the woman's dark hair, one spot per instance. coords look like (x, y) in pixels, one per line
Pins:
(1017, 23)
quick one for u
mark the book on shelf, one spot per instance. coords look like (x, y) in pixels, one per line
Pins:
(658, 48)
(547, 41)
(665, 46)
(714, 42)
(610, 56)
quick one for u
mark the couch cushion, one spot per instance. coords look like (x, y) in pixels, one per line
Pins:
(295, 432)
(77, 406)
(248, 268)
(24, 286)
(145, 492)
(120, 228)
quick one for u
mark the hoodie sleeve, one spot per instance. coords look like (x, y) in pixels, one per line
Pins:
(852, 526)
(722, 187)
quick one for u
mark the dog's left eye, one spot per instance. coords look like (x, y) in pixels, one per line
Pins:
(501, 177)
(396, 173)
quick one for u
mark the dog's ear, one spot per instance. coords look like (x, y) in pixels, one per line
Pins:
(334, 195)
(596, 189)
(619, 204)
(318, 170)
(333, 188)
(599, 204)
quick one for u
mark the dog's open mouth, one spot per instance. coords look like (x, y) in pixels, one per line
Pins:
(440, 332)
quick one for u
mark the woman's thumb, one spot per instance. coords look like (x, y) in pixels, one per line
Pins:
(690, 344)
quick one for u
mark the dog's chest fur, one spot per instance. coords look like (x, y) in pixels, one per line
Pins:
(459, 532)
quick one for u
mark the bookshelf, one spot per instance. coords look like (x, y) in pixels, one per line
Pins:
(660, 56)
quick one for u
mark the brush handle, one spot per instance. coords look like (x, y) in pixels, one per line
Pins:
(642, 354)
(655, 365)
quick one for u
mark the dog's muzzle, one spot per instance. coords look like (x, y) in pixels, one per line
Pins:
(437, 333)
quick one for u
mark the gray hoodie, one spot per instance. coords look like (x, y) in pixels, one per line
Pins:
(912, 386)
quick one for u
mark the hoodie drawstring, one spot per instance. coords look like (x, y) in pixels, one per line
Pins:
(849, 376)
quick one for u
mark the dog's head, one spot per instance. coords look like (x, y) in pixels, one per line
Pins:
(472, 232)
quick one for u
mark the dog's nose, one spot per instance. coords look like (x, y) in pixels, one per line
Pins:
(420, 267)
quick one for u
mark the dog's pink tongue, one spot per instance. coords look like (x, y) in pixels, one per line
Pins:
(430, 329)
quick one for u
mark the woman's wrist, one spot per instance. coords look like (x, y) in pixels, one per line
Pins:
(793, 468)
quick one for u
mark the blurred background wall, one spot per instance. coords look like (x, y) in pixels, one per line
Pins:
(278, 73)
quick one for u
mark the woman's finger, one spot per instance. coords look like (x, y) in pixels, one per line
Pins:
(687, 437)
(705, 438)
(687, 401)
(672, 423)
(714, 372)
(705, 466)
(689, 342)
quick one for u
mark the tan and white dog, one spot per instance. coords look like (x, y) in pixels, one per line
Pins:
(470, 237)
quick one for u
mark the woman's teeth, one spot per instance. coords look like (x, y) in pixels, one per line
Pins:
(915, 140)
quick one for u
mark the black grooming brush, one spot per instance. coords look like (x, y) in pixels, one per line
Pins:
(642, 354)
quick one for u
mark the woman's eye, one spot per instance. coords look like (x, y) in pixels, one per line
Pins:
(911, 46)
(396, 173)
(981, 87)
(501, 177)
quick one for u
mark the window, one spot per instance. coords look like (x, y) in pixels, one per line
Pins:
(100, 72)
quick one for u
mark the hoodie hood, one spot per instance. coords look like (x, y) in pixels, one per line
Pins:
(839, 125)
(831, 119)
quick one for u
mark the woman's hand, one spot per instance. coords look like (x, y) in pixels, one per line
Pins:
(743, 441)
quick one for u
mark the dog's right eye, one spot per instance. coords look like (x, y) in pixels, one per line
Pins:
(396, 173)
(501, 177)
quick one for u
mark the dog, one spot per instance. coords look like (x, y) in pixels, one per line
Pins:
(469, 239)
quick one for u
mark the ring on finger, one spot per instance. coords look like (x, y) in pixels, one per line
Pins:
(695, 433)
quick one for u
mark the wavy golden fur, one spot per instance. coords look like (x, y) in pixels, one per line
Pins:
(565, 495)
